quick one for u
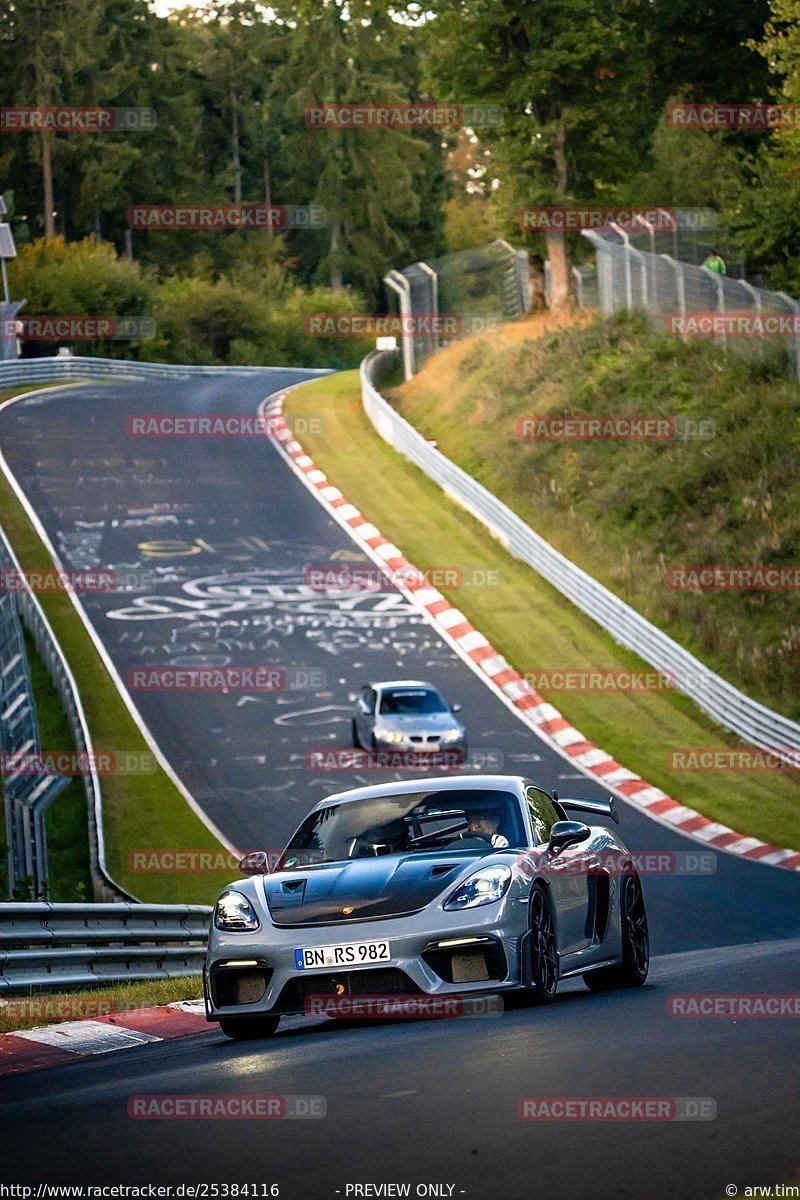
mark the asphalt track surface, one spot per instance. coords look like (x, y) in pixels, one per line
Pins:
(219, 534)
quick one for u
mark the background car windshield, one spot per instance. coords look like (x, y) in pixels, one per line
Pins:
(407, 701)
(379, 825)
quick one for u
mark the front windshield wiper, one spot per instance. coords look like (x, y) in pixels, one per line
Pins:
(435, 834)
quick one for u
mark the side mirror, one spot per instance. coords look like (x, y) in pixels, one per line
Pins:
(567, 833)
(455, 708)
(255, 862)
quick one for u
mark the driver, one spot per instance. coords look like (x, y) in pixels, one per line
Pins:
(484, 822)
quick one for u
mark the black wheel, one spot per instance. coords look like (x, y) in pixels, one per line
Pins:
(635, 963)
(544, 950)
(245, 1029)
(354, 734)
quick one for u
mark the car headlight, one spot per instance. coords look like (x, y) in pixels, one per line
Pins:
(452, 735)
(484, 887)
(235, 913)
(389, 735)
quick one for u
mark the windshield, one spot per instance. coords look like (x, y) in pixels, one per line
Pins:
(402, 701)
(457, 819)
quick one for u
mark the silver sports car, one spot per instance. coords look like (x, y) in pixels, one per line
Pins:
(429, 888)
(407, 715)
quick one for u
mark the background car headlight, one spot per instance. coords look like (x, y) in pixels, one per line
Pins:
(389, 735)
(452, 735)
(235, 912)
(484, 887)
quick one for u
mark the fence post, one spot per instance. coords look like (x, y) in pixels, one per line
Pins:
(680, 285)
(719, 285)
(794, 305)
(605, 269)
(437, 341)
(626, 243)
(399, 284)
(578, 285)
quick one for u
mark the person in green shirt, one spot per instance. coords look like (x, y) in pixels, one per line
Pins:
(715, 263)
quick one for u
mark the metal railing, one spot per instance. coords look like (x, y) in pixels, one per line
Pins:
(751, 721)
(30, 610)
(28, 790)
(477, 289)
(71, 368)
(669, 290)
(78, 945)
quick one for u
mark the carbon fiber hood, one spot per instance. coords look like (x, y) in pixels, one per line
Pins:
(386, 886)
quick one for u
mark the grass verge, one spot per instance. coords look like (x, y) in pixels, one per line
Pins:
(535, 627)
(35, 1008)
(629, 510)
(140, 812)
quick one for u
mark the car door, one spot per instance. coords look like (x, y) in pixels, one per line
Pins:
(566, 874)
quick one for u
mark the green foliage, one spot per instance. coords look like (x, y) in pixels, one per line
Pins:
(626, 510)
(254, 317)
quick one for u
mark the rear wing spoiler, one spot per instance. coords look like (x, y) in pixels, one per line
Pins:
(600, 808)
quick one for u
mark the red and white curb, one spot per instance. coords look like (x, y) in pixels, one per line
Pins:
(55, 1045)
(478, 653)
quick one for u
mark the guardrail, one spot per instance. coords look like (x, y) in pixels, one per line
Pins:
(76, 367)
(31, 612)
(751, 721)
(77, 945)
(28, 789)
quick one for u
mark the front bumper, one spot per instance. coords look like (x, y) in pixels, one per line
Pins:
(254, 974)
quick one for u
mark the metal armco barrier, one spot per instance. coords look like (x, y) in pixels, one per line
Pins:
(28, 791)
(29, 609)
(77, 945)
(753, 722)
(73, 368)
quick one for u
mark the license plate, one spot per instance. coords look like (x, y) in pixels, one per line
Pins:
(349, 954)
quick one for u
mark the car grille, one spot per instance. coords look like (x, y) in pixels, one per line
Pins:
(428, 739)
(381, 982)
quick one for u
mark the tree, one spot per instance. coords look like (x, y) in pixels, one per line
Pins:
(769, 203)
(366, 179)
(51, 66)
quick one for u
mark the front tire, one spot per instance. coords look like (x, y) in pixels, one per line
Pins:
(543, 948)
(246, 1029)
(635, 962)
